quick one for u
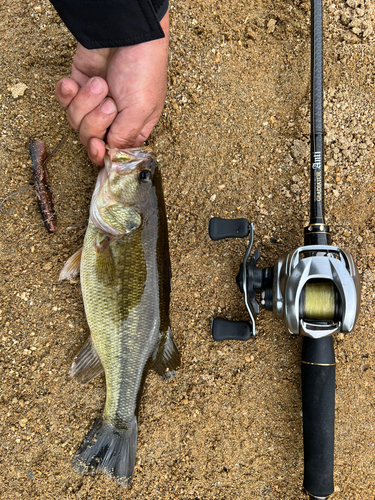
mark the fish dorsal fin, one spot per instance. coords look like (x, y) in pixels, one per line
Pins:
(72, 266)
(86, 365)
(168, 359)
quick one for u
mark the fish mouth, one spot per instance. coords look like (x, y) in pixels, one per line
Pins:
(120, 160)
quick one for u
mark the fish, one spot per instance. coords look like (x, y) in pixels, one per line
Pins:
(125, 276)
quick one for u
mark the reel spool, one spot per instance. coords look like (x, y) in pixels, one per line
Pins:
(319, 301)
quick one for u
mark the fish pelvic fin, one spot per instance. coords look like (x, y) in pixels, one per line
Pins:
(72, 266)
(110, 450)
(86, 365)
(168, 359)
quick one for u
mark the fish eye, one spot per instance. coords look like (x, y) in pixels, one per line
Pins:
(144, 175)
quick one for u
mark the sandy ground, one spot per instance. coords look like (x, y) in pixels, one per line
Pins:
(232, 142)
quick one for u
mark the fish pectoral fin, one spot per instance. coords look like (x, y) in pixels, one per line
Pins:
(124, 219)
(104, 263)
(86, 364)
(168, 359)
(72, 266)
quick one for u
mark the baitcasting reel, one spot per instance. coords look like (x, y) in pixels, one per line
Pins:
(315, 290)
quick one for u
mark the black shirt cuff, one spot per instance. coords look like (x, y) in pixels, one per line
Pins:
(100, 24)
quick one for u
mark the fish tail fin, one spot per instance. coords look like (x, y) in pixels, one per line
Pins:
(109, 450)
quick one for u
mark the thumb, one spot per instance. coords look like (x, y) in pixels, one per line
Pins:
(126, 128)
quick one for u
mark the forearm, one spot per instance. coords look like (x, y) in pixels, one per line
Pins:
(112, 23)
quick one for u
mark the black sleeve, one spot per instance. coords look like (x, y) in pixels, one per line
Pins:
(100, 24)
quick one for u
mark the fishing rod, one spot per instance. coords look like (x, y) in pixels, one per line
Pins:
(314, 290)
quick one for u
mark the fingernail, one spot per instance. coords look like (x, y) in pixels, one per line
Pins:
(64, 89)
(108, 107)
(95, 87)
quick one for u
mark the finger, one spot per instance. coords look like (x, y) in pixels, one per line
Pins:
(87, 63)
(144, 135)
(96, 151)
(87, 99)
(96, 123)
(96, 148)
(78, 76)
(126, 127)
(66, 90)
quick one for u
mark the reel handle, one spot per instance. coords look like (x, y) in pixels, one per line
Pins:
(222, 329)
(218, 228)
(318, 405)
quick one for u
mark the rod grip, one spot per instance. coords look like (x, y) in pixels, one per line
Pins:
(318, 406)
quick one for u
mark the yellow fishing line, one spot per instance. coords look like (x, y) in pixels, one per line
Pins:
(319, 301)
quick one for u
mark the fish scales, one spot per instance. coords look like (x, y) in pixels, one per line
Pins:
(125, 280)
(125, 332)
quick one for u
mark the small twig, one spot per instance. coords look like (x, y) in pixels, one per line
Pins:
(9, 196)
(77, 225)
(54, 151)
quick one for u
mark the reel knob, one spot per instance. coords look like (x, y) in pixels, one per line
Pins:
(223, 329)
(219, 229)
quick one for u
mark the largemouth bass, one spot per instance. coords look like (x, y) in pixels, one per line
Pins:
(125, 278)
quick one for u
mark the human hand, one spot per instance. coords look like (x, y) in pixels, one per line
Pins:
(116, 96)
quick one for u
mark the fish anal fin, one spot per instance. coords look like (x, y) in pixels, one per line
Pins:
(72, 266)
(86, 364)
(168, 359)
